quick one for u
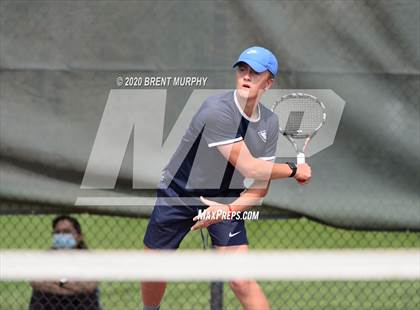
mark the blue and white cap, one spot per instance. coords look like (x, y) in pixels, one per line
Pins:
(259, 59)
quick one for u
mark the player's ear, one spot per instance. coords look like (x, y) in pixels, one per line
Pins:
(269, 83)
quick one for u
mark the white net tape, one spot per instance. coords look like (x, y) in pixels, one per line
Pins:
(314, 265)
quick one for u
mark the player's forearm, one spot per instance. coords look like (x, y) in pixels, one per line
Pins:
(49, 287)
(250, 167)
(249, 199)
(81, 287)
(265, 170)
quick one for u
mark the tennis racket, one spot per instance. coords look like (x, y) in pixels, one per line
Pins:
(300, 118)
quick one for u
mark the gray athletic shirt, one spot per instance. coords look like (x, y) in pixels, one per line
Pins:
(198, 168)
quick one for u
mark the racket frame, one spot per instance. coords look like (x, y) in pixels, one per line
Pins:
(300, 151)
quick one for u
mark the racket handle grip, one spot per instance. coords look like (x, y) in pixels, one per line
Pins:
(300, 158)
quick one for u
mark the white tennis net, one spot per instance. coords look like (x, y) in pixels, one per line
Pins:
(315, 265)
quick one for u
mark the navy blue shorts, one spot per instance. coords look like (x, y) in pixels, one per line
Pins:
(169, 224)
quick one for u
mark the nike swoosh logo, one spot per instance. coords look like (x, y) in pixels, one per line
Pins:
(233, 235)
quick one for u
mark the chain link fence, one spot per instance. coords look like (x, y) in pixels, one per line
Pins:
(112, 232)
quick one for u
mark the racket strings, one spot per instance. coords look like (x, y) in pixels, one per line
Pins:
(299, 116)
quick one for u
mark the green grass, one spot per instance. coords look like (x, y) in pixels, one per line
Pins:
(104, 232)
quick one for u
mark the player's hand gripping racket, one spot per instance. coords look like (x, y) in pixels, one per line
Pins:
(300, 118)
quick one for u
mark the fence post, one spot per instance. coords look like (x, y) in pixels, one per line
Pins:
(216, 295)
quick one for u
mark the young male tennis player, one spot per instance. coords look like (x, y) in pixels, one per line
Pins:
(232, 137)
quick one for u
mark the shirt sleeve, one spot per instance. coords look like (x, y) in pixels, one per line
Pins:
(272, 137)
(220, 125)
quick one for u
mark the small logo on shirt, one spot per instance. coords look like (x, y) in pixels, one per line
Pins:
(234, 234)
(263, 135)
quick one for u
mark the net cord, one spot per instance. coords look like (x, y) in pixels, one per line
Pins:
(299, 265)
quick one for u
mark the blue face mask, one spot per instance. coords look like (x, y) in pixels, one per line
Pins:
(64, 241)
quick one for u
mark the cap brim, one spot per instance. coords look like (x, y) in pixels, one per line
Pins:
(257, 67)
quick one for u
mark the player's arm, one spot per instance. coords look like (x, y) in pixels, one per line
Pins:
(249, 198)
(250, 167)
(81, 287)
(50, 287)
(221, 131)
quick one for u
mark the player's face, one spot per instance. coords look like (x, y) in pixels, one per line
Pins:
(249, 83)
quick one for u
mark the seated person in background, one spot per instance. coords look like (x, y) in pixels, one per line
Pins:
(63, 294)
